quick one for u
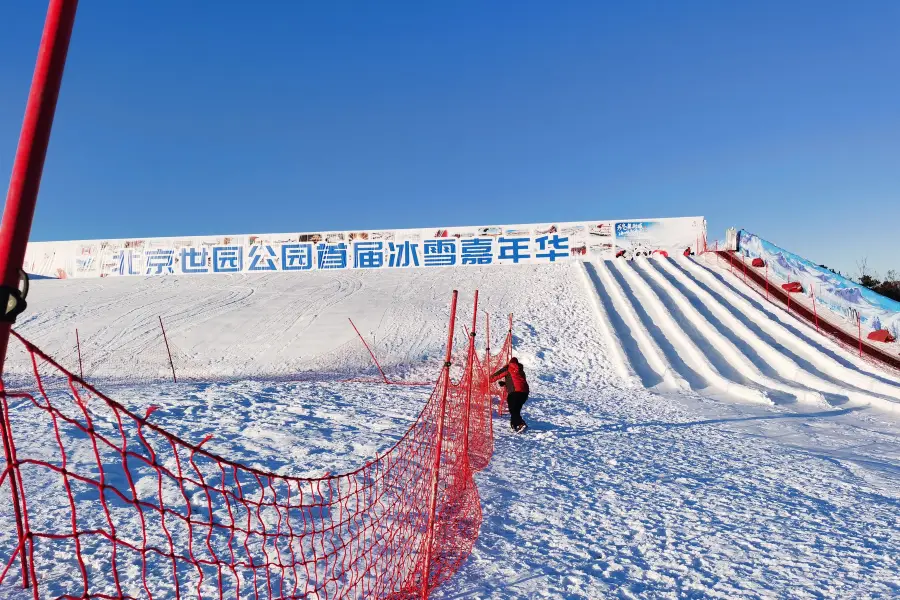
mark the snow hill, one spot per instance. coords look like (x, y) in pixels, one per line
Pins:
(687, 440)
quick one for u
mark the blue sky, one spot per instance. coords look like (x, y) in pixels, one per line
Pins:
(222, 117)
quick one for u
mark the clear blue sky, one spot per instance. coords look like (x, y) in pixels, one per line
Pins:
(182, 117)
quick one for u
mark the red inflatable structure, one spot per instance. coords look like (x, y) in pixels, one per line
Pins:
(882, 335)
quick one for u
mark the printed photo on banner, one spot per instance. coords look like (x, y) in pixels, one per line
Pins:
(535, 244)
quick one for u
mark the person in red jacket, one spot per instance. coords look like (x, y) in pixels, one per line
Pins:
(512, 376)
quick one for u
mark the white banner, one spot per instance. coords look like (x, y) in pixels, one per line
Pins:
(398, 248)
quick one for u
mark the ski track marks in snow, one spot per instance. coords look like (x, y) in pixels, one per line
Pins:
(616, 491)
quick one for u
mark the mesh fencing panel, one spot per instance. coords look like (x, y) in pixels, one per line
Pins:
(137, 512)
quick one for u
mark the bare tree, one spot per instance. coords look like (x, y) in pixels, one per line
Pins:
(862, 267)
(865, 277)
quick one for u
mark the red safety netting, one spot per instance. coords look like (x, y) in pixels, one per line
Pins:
(494, 362)
(129, 510)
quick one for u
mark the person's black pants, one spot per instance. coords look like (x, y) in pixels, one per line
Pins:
(515, 401)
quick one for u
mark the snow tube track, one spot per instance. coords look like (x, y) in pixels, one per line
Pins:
(674, 324)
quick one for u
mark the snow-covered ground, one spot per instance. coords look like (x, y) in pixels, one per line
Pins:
(686, 441)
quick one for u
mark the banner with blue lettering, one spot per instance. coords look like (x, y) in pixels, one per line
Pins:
(387, 249)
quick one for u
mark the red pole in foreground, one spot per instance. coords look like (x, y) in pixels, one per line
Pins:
(767, 281)
(78, 344)
(432, 503)
(166, 340)
(372, 354)
(33, 141)
(21, 199)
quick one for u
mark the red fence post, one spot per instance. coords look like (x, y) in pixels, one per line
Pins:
(789, 302)
(169, 352)
(487, 334)
(767, 281)
(372, 354)
(432, 503)
(815, 310)
(78, 345)
(509, 352)
(32, 150)
(744, 263)
(24, 184)
(471, 362)
(859, 332)
(487, 357)
(15, 483)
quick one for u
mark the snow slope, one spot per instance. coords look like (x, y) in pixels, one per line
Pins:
(695, 329)
(686, 441)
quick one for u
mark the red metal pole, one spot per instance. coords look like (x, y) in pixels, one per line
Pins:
(767, 281)
(487, 355)
(471, 362)
(509, 354)
(432, 503)
(14, 484)
(372, 354)
(789, 302)
(815, 310)
(25, 183)
(166, 340)
(78, 345)
(487, 335)
(33, 141)
(744, 263)
(859, 329)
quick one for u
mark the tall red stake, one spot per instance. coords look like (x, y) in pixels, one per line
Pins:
(509, 353)
(21, 197)
(35, 137)
(432, 503)
(169, 352)
(815, 310)
(372, 354)
(78, 344)
(469, 371)
(859, 331)
(487, 333)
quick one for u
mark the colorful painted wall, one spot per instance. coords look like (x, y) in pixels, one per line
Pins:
(832, 291)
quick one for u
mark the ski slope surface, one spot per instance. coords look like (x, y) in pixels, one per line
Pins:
(687, 440)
